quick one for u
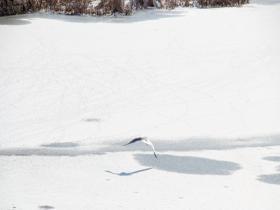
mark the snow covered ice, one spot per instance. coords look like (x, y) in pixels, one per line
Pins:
(202, 84)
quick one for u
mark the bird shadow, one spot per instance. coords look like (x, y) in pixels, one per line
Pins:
(128, 173)
(188, 164)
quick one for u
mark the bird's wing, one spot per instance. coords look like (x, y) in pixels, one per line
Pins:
(133, 141)
(151, 145)
(155, 155)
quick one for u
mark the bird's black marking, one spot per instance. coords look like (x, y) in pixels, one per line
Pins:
(155, 155)
(134, 140)
(145, 141)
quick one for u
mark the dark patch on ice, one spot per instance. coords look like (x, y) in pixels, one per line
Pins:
(188, 164)
(187, 144)
(48, 152)
(61, 144)
(270, 178)
(45, 207)
(128, 173)
(272, 158)
(197, 143)
(92, 120)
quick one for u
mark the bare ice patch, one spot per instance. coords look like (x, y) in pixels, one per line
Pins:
(61, 144)
(46, 207)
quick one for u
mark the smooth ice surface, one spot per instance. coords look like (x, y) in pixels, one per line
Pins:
(202, 84)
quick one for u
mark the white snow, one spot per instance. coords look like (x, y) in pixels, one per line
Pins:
(202, 84)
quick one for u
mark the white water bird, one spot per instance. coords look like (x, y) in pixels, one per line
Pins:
(145, 140)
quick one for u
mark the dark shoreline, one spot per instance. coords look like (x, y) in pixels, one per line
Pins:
(105, 7)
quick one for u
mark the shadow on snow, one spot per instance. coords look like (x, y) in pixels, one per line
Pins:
(265, 2)
(197, 144)
(189, 144)
(271, 178)
(138, 16)
(188, 164)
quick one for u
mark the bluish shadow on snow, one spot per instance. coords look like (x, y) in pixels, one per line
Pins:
(188, 144)
(128, 173)
(272, 158)
(196, 144)
(138, 16)
(61, 144)
(51, 149)
(14, 20)
(188, 164)
(48, 152)
(265, 2)
(270, 178)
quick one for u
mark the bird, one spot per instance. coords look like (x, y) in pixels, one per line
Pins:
(145, 140)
